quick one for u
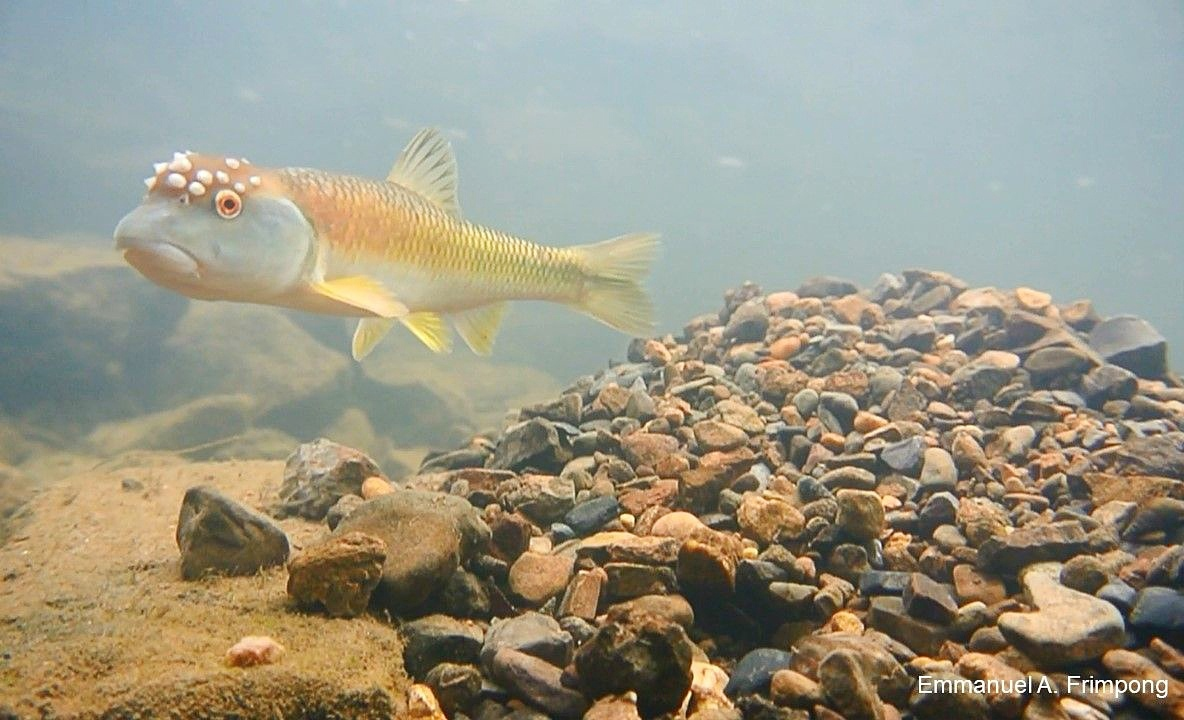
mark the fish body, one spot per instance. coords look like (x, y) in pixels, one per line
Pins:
(386, 251)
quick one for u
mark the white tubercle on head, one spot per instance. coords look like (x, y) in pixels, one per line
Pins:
(240, 188)
(205, 177)
(176, 180)
(255, 180)
(180, 163)
(232, 163)
(158, 168)
(221, 176)
(196, 188)
(150, 182)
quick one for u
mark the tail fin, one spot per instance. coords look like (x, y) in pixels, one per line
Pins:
(612, 292)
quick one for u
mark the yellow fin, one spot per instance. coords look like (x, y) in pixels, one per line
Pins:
(429, 327)
(613, 293)
(362, 293)
(478, 326)
(368, 333)
(428, 167)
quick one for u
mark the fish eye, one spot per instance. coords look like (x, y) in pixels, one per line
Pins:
(228, 204)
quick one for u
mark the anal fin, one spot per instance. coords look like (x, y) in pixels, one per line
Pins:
(478, 326)
(368, 334)
(431, 330)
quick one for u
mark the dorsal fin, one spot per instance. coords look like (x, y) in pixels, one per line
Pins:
(428, 167)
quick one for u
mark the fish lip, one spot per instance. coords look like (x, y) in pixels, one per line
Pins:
(136, 248)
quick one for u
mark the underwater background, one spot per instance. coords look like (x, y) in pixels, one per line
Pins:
(1006, 143)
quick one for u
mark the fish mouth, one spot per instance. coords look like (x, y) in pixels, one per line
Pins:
(159, 259)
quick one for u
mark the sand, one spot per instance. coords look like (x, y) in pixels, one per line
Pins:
(96, 621)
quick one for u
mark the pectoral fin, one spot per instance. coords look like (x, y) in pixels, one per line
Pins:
(478, 327)
(368, 334)
(361, 293)
(429, 327)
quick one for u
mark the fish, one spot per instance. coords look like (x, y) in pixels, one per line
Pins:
(389, 252)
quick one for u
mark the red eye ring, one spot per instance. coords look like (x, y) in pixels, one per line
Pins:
(228, 204)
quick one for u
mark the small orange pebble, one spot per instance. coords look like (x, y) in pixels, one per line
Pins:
(832, 441)
(374, 486)
(785, 348)
(254, 650)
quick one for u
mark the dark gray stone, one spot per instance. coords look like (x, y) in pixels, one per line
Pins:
(649, 655)
(434, 639)
(929, 600)
(1057, 541)
(217, 534)
(1159, 611)
(848, 477)
(823, 286)
(317, 474)
(905, 456)
(754, 671)
(1108, 382)
(535, 443)
(748, 323)
(883, 582)
(917, 333)
(538, 683)
(593, 514)
(532, 633)
(836, 411)
(1132, 343)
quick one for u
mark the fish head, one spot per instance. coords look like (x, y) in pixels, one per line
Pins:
(217, 228)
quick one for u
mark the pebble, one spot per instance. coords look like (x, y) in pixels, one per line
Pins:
(434, 639)
(338, 574)
(928, 600)
(1149, 680)
(1067, 627)
(846, 480)
(848, 477)
(217, 534)
(1159, 611)
(532, 633)
(538, 577)
(648, 655)
(861, 514)
(317, 474)
(938, 471)
(846, 687)
(435, 533)
(254, 650)
(591, 515)
(1130, 343)
(455, 686)
(537, 682)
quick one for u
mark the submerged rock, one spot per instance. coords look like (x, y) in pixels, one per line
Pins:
(338, 574)
(428, 536)
(318, 474)
(217, 534)
(1067, 628)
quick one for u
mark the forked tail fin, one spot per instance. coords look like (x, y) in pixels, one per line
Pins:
(612, 290)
